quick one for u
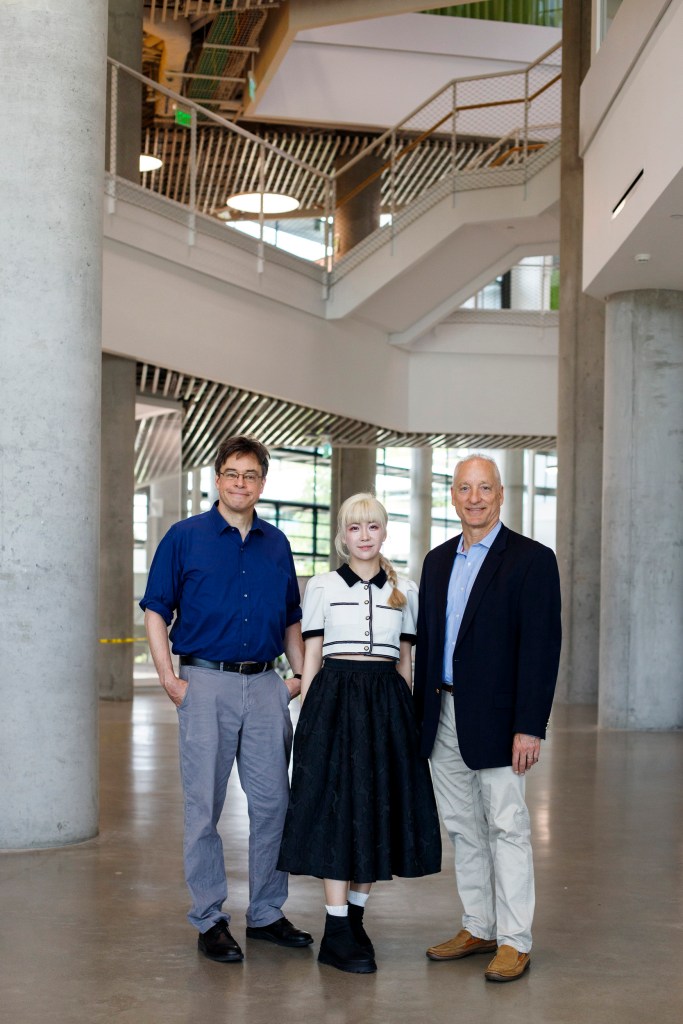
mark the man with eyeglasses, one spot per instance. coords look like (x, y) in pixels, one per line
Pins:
(226, 580)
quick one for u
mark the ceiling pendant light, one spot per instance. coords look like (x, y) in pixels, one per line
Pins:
(149, 163)
(250, 202)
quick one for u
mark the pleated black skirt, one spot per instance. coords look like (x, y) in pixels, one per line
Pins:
(362, 806)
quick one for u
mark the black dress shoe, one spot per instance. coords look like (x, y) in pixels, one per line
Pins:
(218, 944)
(282, 932)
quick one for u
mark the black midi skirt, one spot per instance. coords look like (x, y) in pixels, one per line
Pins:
(362, 806)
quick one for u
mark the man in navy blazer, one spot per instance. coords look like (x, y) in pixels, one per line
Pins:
(488, 647)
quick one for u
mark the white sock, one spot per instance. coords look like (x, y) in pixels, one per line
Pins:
(337, 911)
(359, 899)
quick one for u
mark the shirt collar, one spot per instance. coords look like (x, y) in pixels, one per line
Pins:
(222, 524)
(350, 577)
(485, 542)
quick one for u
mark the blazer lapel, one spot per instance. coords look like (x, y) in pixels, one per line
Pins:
(489, 568)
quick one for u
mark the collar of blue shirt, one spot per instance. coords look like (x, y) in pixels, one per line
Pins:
(222, 524)
(485, 542)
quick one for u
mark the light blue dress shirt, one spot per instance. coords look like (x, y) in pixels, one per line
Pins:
(463, 574)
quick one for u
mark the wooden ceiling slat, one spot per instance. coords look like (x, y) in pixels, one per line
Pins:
(214, 411)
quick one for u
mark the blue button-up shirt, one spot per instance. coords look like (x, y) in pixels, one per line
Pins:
(232, 599)
(463, 574)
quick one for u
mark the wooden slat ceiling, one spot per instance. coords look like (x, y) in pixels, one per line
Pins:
(228, 164)
(213, 411)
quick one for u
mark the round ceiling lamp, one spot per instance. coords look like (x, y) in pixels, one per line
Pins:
(250, 202)
(149, 163)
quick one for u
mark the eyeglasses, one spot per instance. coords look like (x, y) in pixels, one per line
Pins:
(232, 476)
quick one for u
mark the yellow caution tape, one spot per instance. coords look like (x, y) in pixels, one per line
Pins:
(123, 640)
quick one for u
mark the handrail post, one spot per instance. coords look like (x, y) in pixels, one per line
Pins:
(327, 234)
(333, 226)
(192, 221)
(392, 185)
(454, 163)
(113, 137)
(526, 128)
(262, 188)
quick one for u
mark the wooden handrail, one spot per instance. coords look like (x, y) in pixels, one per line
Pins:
(430, 131)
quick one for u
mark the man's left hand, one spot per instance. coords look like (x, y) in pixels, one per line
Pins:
(294, 686)
(526, 751)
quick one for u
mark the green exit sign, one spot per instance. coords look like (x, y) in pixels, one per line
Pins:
(183, 117)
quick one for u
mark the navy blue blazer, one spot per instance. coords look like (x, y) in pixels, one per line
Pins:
(508, 649)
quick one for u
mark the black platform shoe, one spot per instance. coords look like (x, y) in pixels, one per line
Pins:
(359, 932)
(339, 948)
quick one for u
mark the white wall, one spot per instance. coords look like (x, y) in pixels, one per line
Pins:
(374, 72)
(204, 310)
(630, 121)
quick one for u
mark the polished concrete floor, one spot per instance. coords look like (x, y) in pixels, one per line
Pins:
(97, 932)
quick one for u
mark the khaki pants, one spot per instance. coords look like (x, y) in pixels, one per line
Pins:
(486, 817)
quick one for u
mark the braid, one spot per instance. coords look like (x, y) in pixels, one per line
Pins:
(397, 598)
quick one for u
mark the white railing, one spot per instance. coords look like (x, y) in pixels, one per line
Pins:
(476, 132)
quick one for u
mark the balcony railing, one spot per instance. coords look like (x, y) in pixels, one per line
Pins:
(478, 132)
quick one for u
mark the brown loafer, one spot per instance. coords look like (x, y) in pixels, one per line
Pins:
(507, 964)
(462, 944)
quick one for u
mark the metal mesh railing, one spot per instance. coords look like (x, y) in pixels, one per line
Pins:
(482, 132)
(514, 115)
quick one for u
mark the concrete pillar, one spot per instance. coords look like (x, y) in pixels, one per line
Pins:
(420, 510)
(165, 509)
(115, 653)
(358, 203)
(641, 634)
(580, 399)
(196, 491)
(530, 504)
(352, 470)
(53, 82)
(513, 479)
(124, 43)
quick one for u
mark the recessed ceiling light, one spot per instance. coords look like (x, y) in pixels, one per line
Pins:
(642, 257)
(149, 163)
(250, 202)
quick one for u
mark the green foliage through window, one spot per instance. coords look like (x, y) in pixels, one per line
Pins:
(547, 13)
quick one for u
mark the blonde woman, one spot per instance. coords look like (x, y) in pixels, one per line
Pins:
(361, 807)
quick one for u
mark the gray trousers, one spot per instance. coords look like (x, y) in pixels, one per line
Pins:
(227, 716)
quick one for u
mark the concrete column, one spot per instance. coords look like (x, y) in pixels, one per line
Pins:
(358, 203)
(530, 510)
(352, 470)
(420, 510)
(53, 83)
(580, 399)
(513, 479)
(115, 654)
(641, 639)
(124, 43)
(196, 491)
(164, 509)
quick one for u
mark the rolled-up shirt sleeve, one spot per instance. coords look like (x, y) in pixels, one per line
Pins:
(162, 594)
(293, 597)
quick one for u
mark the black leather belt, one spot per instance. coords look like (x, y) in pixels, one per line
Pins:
(447, 688)
(245, 668)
